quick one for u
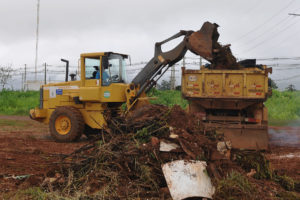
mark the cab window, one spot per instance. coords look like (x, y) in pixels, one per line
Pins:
(113, 69)
(92, 68)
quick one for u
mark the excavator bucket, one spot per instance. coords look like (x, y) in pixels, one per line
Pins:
(203, 41)
(205, 44)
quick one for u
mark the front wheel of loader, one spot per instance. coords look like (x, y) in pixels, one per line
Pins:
(66, 124)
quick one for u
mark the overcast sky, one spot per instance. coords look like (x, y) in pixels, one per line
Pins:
(256, 28)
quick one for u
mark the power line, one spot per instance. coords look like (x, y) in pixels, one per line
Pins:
(288, 78)
(251, 9)
(270, 38)
(269, 30)
(265, 22)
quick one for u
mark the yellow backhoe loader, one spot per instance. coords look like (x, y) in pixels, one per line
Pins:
(72, 108)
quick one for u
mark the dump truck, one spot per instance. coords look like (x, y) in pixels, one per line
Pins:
(72, 108)
(232, 101)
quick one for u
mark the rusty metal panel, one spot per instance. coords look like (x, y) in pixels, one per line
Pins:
(255, 84)
(255, 139)
(213, 85)
(225, 84)
(192, 85)
(244, 136)
(233, 85)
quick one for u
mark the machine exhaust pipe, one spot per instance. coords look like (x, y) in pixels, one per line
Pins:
(67, 68)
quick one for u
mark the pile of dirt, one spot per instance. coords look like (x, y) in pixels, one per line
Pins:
(127, 161)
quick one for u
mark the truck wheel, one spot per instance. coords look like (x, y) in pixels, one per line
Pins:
(66, 124)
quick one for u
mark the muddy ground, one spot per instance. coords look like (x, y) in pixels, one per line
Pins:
(27, 149)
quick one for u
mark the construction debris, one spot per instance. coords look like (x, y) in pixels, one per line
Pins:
(139, 159)
(167, 147)
(188, 179)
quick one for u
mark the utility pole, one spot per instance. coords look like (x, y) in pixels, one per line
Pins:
(183, 62)
(172, 81)
(45, 74)
(25, 78)
(37, 37)
(22, 83)
(45, 77)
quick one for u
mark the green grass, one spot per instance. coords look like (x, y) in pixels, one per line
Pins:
(283, 107)
(18, 102)
(168, 97)
(235, 186)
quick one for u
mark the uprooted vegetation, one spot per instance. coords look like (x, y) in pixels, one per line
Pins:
(125, 163)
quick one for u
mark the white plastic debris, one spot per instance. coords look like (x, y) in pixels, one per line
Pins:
(224, 146)
(186, 179)
(173, 136)
(172, 133)
(166, 147)
(221, 146)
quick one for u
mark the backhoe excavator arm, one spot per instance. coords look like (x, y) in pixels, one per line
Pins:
(203, 43)
(147, 77)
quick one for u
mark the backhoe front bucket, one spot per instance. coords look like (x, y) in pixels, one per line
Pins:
(203, 41)
(205, 44)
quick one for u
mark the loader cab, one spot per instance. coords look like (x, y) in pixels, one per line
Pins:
(103, 69)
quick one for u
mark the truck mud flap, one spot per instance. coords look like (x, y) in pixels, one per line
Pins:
(248, 138)
(251, 137)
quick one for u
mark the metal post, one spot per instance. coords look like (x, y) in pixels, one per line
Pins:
(37, 37)
(45, 77)
(25, 78)
(67, 68)
(183, 61)
(172, 81)
(200, 62)
(22, 83)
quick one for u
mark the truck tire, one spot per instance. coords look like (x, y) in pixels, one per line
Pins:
(66, 124)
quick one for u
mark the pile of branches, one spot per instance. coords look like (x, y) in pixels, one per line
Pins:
(126, 161)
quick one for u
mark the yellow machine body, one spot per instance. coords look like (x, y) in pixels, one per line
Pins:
(89, 96)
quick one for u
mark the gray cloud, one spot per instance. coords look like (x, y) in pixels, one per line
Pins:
(70, 27)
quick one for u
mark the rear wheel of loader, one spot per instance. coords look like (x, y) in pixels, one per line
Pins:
(66, 124)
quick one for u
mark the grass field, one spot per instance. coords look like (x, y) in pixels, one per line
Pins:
(17, 102)
(282, 106)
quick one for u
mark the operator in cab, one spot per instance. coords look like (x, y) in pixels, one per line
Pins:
(96, 75)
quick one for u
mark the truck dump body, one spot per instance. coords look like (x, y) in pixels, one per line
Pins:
(231, 101)
(249, 83)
